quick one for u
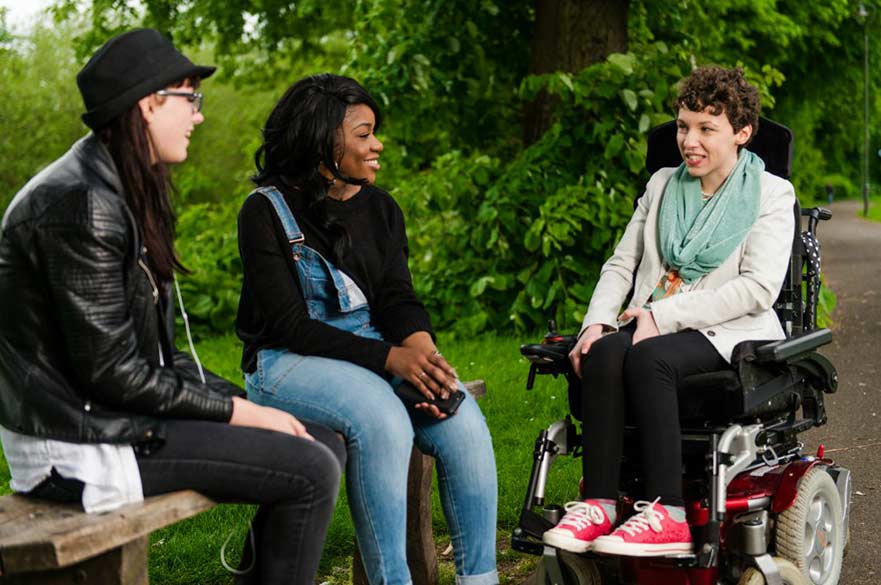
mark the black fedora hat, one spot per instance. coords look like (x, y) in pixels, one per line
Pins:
(127, 68)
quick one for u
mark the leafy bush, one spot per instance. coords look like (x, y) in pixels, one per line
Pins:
(39, 112)
(500, 246)
(207, 243)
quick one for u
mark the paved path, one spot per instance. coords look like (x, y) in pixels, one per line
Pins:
(851, 249)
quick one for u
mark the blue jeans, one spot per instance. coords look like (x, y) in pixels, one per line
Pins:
(380, 433)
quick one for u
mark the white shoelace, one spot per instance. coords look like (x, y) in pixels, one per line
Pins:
(581, 514)
(647, 517)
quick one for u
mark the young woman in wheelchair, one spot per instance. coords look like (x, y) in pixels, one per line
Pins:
(331, 327)
(705, 255)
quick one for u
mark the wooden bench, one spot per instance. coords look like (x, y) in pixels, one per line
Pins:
(54, 544)
(43, 543)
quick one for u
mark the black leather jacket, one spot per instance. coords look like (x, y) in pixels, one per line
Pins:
(82, 319)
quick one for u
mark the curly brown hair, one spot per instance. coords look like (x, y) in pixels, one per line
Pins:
(721, 90)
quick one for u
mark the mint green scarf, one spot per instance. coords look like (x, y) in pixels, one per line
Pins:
(696, 237)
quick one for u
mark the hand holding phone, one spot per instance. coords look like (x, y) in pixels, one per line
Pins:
(410, 396)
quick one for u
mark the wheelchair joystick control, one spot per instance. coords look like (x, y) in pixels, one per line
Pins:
(552, 336)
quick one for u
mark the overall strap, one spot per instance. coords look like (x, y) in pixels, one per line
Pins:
(291, 229)
(349, 296)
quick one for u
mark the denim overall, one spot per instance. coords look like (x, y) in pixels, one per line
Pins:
(331, 296)
(380, 431)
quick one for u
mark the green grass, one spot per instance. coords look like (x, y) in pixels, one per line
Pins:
(188, 552)
(874, 209)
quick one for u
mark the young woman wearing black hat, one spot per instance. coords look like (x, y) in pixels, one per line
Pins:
(96, 404)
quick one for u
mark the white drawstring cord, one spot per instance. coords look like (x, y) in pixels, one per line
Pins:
(183, 312)
(226, 565)
(229, 567)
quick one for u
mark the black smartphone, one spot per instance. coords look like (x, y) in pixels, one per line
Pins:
(410, 396)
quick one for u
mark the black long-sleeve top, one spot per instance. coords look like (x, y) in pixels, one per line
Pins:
(272, 311)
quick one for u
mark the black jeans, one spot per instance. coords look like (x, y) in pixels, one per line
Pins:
(295, 482)
(617, 376)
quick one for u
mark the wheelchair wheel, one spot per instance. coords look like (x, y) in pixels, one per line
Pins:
(811, 533)
(789, 574)
(577, 570)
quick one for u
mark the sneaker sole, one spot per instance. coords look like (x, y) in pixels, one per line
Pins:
(617, 547)
(566, 543)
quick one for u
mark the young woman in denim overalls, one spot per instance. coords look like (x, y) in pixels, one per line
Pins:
(330, 322)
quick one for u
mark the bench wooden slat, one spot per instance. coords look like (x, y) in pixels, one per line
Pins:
(476, 388)
(59, 536)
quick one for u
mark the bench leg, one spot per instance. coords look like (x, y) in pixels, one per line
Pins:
(421, 554)
(125, 565)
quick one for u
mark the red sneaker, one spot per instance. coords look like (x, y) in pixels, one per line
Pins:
(650, 533)
(583, 523)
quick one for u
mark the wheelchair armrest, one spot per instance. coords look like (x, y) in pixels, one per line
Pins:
(820, 213)
(549, 353)
(550, 357)
(786, 349)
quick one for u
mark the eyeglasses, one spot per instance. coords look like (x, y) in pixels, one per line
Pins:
(194, 98)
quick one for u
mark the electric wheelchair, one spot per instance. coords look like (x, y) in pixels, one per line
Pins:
(760, 511)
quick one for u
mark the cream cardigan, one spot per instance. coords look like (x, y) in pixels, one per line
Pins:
(733, 303)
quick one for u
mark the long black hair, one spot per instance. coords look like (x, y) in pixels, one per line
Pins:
(146, 185)
(304, 131)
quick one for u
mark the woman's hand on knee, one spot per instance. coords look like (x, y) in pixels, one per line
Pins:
(422, 342)
(646, 328)
(248, 414)
(428, 372)
(582, 346)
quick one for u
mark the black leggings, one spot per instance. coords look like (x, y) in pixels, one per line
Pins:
(294, 480)
(617, 376)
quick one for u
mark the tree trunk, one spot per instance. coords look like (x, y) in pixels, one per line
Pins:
(569, 36)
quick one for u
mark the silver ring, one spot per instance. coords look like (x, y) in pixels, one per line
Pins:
(437, 354)
(421, 375)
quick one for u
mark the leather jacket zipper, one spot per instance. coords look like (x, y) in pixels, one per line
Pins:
(153, 284)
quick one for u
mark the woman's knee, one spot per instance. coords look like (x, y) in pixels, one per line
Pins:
(606, 356)
(462, 440)
(324, 470)
(609, 348)
(345, 397)
(646, 361)
(382, 429)
(331, 439)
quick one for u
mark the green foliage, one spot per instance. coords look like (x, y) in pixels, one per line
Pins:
(256, 41)
(39, 120)
(207, 241)
(843, 187)
(874, 208)
(500, 246)
(502, 234)
(446, 71)
(825, 307)
(810, 55)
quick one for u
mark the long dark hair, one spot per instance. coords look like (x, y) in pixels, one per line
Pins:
(147, 186)
(304, 131)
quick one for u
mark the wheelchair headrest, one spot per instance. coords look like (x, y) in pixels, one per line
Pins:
(773, 143)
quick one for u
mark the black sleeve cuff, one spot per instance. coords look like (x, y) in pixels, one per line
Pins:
(408, 323)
